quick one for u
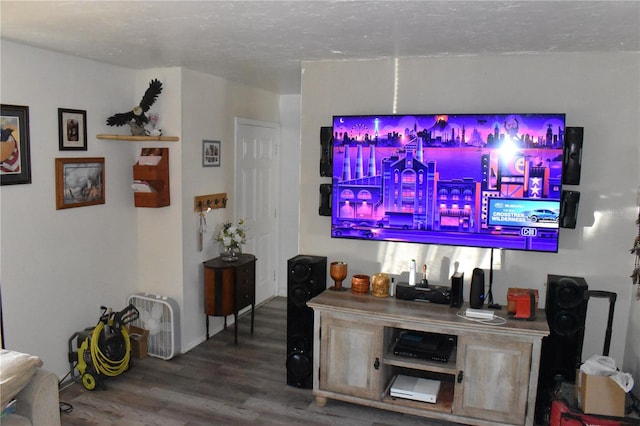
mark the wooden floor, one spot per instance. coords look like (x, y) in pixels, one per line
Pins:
(219, 383)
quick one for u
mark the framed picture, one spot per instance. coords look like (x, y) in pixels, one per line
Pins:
(79, 182)
(72, 129)
(15, 159)
(210, 153)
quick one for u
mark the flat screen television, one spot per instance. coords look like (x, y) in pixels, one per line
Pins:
(477, 180)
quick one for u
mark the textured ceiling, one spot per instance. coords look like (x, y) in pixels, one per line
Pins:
(262, 43)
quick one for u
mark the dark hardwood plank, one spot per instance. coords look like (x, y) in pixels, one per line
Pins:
(220, 383)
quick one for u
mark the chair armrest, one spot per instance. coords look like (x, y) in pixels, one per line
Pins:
(39, 400)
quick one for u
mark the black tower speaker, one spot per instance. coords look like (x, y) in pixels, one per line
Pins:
(325, 200)
(476, 294)
(307, 277)
(572, 156)
(569, 204)
(326, 151)
(566, 309)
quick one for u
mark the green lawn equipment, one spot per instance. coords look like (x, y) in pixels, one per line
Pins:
(104, 350)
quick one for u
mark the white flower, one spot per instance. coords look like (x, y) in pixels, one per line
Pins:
(232, 234)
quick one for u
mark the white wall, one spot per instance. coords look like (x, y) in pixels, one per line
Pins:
(210, 105)
(632, 352)
(288, 215)
(159, 230)
(58, 266)
(597, 91)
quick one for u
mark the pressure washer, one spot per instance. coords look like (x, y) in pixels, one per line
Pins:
(104, 350)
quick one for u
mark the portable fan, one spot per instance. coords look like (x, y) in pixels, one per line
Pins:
(159, 315)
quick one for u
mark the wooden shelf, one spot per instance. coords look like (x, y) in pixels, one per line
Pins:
(421, 364)
(138, 138)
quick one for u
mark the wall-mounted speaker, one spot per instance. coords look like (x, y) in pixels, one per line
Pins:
(561, 354)
(572, 155)
(457, 290)
(326, 151)
(307, 277)
(476, 293)
(325, 200)
(569, 209)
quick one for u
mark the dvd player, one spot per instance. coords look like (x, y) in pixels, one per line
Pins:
(427, 346)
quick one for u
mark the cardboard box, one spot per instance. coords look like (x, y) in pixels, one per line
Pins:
(599, 395)
(138, 337)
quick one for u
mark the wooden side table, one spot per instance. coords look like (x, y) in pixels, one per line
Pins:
(228, 288)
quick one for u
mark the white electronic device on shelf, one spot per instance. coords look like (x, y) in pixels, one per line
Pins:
(479, 314)
(425, 390)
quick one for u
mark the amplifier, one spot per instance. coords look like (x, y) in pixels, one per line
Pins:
(433, 293)
(429, 346)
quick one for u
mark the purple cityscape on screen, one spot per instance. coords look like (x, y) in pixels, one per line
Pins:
(490, 180)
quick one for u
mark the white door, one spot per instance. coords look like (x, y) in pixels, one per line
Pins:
(256, 197)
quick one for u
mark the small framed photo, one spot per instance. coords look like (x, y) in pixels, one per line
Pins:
(72, 129)
(210, 153)
(79, 182)
(15, 158)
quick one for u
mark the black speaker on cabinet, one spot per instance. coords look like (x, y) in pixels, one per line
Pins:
(569, 204)
(325, 200)
(457, 290)
(326, 151)
(476, 293)
(572, 155)
(307, 277)
(561, 355)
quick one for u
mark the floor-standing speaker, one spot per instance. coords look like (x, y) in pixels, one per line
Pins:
(566, 310)
(307, 277)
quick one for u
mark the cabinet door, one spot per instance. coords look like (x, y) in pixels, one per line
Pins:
(493, 378)
(351, 357)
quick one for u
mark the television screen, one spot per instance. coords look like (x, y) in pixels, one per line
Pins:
(478, 180)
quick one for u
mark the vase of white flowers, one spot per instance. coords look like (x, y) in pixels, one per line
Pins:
(231, 237)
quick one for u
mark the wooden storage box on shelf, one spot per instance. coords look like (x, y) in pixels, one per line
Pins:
(157, 176)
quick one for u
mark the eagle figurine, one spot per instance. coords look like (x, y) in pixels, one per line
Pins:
(137, 118)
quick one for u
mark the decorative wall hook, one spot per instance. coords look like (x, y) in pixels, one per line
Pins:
(208, 202)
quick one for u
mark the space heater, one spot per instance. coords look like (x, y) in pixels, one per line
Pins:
(160, 315)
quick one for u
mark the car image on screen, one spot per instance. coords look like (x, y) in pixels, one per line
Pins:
(543, 215)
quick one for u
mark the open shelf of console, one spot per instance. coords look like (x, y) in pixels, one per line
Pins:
(444, 403)
(392, 336)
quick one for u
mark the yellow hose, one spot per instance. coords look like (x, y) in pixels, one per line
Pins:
(104, 365)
